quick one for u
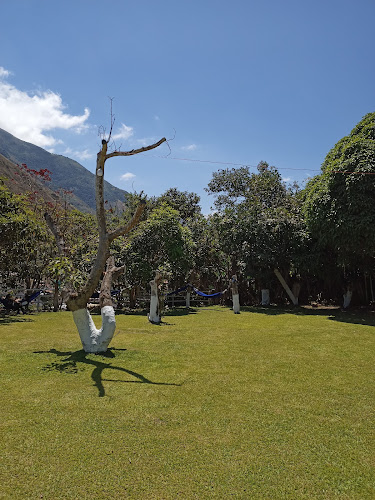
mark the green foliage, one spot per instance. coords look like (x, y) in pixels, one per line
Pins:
(159, 242)
(259, 221)
(339, 204)
(25, 242)
(187, 204)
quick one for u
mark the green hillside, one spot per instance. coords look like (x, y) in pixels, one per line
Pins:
(66, 173)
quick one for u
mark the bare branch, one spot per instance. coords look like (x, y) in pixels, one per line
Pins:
(122, 230)
(174, 136)
(136, 151)
(111, 273)
(112, 120)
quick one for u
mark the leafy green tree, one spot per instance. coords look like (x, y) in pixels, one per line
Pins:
(339, 203)
(160, 243)
(187, 204)
(25, 243)
(259, 222)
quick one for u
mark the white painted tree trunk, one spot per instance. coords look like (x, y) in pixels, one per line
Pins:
(188, 298)
(347, 299)
(265, 297)
(94, 340)
(236, 303)
(235, 295)
(154, 316)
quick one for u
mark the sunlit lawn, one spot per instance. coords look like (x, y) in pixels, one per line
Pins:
(267, 404)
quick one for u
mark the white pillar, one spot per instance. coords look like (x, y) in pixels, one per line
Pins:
(347, 299)
(265, 297)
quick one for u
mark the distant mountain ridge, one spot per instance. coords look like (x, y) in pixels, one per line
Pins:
(65, 173)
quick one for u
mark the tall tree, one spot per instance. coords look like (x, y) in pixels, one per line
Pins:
(339, 203)
(93, 339)
(258, 221)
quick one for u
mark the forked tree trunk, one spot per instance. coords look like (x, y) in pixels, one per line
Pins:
(97, 340)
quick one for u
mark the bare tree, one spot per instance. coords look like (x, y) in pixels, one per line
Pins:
(93, 339)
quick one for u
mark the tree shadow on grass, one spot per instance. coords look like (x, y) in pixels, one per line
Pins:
(71, 362)
(354, 316)
(9, 319)
(180, 311)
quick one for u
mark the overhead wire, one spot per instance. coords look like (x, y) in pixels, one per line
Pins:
(215, 162)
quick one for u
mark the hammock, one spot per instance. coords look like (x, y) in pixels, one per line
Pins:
(182, 289)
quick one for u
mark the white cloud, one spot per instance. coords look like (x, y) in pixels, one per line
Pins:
(156, 118)
(191, 147)
(81, 155)
(124, 133)
(29, 116)
(287, 179)
(127, 177)
(4, 73)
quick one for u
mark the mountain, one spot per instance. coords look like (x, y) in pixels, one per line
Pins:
(66, 173)
(18, 181)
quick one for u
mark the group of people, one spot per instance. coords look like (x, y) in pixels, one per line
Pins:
(12, 304)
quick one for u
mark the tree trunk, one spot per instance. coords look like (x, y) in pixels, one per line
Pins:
(133, 297)
(286, 287)
(155, 316)
(94, 340)
(235, 295)
(56, 297)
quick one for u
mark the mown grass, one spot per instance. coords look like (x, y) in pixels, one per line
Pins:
(268, 404)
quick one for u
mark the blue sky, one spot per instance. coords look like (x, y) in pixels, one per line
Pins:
(237, 82)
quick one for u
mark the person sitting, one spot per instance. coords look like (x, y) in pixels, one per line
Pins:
(11, 304)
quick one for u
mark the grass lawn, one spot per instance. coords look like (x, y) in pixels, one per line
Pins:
(268, 404)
